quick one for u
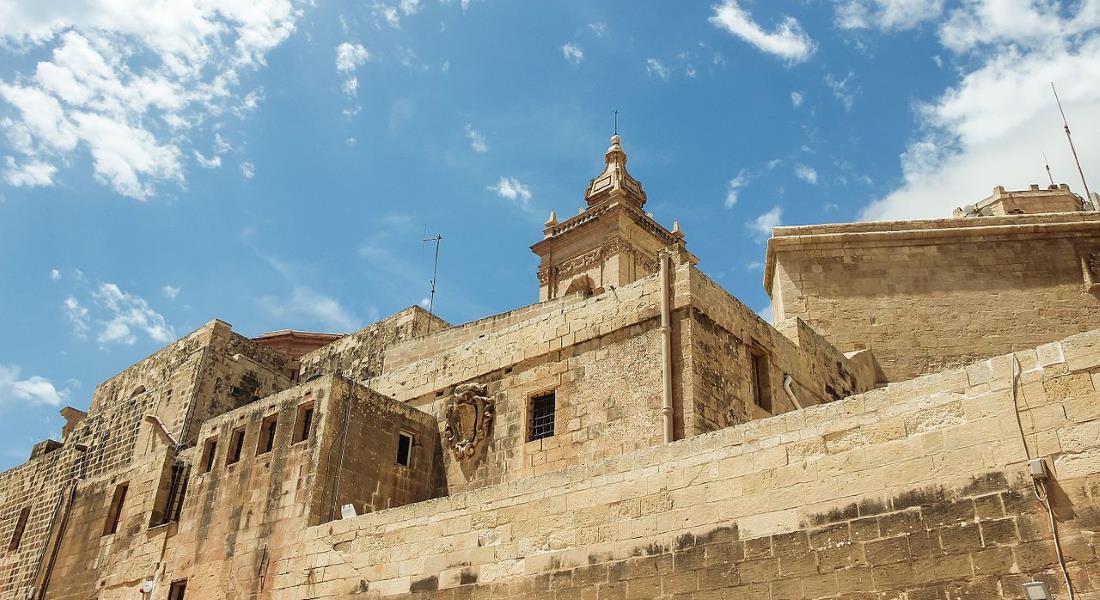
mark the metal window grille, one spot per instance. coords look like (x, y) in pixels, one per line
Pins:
(542, 416)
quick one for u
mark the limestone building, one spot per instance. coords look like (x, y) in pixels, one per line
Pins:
(637, 433)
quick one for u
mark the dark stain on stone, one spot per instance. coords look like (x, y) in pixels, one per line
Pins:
(428, 584)
(467, 577)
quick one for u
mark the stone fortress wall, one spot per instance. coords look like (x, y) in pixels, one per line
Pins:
(919, 490)
(929, 295)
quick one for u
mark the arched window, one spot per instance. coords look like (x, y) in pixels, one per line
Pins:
(139, 390)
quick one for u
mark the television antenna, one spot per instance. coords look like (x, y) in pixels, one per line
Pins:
(1065, 125)
(435, 273)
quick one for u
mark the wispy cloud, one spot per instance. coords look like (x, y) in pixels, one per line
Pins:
(788, 41)
(598, 28)
(806, 173)
(55, 275)
(248, 170)
(513, 189)
(170, 291)
(78, 316)
(33, 390)
(762, 225)
(208, 163)
(657, 69)
(796, 99)
(350, 57)
(128, 314)
(733, 188)
(572, 53)
(843, 89)
(477, 140)
(307, 303)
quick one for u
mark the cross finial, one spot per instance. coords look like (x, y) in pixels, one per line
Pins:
(616, 131)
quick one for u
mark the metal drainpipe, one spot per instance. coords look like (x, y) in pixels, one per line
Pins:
(666, 345)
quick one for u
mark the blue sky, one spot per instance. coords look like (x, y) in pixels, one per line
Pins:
(275, 163)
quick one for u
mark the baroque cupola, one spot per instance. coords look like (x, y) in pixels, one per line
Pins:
(610, 243)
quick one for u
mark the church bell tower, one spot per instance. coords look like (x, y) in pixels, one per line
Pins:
(611, 243)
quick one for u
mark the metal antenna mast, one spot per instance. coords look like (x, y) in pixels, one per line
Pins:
(1065, 124)
(616, 129)
(435, 273)
(1046, 162)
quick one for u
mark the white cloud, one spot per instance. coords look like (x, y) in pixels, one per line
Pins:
(248, 170)
(599, 29)
(572, 53)
(806, 173)
(992, 127)
(762, 226)
(656, 68)
(78, 316)
(796, 99)
(213, 162)
(126, 314)
(32, 173)
(33, 390)
(511, 188)
(409, 7)
(886, 14)
(843, 89)
(733, 188)
(309, 304)
(388, 14)
(349, 57)
(788, 41)
(128, 82)
(55, 275)
(170, 292)
(477, 140)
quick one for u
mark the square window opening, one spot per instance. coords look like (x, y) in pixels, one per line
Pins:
(209, 451)
(114, 513)
(303, 423)
(405, 442)
(543, 412)
(236, 444)
(20, 527)
(266, 441)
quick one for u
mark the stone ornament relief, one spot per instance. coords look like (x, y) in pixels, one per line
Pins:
(469, 417)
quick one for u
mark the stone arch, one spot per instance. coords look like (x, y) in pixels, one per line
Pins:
(581, 285)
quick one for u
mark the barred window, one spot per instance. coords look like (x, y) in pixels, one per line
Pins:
(542, 416)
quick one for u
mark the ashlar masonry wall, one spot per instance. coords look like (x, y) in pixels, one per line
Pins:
(918, 491)
(210, 370)
(928, 295)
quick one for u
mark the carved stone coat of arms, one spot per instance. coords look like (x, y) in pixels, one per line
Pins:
(469, 416)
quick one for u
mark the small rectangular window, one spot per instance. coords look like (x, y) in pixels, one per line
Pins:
(236, 443)
(177, 590)
(169, 497)
(266, 441)
(20, 527)
(209, 451)
(542, 416)
(114, 513)
(404, 449)
(761, 390)
(303, 423)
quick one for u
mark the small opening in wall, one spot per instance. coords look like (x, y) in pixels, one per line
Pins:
(761, 386)
(303, 423)
(169, 496)
(114, 513)
(404, 449)
(177, 590)
(266, 440)
(543, 411)
(236, 443)
(20, 527)
(209, 451)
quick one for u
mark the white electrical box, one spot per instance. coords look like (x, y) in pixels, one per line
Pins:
(1038, 468)
(347, 511)
(1037, 590)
